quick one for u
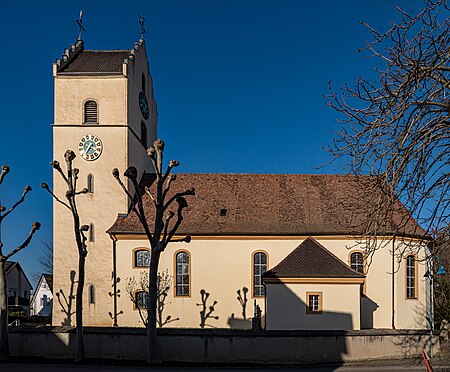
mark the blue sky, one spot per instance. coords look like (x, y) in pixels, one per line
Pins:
(240, 84)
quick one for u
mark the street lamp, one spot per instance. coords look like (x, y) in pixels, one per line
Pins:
(430, 275)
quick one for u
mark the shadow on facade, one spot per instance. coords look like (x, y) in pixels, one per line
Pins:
(66, 301)
(368, 307)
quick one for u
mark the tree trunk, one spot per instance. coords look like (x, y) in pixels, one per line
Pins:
(4, 342)
(153, 356)
(79, 309)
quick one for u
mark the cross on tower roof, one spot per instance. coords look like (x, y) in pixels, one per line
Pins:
(79, 21)
(141, 21)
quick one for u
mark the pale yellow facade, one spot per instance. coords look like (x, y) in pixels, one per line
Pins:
(222, 265)
(219, 265)
(118, 128)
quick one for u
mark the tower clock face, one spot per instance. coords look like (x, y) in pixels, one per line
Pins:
(143, 105)
(90, 147)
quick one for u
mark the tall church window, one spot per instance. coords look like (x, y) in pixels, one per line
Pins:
(90, 112)
(357, 264)
(90, 183)
(141, 258)
(259, 268)
(182, 278)
(144, 134)
(91, 294)
(411, 276)
(91, 233)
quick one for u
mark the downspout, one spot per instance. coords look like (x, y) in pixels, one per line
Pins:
(393, 283)
(114, 274)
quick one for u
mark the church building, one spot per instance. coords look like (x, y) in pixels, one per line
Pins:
(291, 245)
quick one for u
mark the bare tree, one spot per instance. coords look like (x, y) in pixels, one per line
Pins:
(45, 260)
(165, 225)
(71, 178)
(397, 128)
(4, 341)
(135, 287)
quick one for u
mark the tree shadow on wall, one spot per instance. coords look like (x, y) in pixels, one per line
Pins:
(66, 301)
(206, 312)
(236, 322)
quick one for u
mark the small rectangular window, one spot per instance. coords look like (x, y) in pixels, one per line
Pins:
(314, 302)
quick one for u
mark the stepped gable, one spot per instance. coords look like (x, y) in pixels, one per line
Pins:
(312, 260)
(272, 205)
(76, 60)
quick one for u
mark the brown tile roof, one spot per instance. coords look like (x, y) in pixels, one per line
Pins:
(96, 62)
(312, 260)
(274, 204)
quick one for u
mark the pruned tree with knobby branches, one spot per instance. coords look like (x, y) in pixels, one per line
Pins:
(70, 177)
(4, 339)
(396, 128)
(167, 215)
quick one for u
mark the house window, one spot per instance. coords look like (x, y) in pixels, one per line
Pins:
(143, 82)
(12, 292)
(314, 302)
(91, 233)
(90, 183)
(144, 134)
(141, 300)
(259, 268)
(411, 276)
(182, 274)
(42, 301)
(90, 112)
(91, 294)
(142, 258)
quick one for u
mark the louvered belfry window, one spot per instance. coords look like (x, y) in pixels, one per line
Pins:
(90, 112)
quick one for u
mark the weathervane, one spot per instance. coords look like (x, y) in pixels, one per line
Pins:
(141, 21)
(79, 21)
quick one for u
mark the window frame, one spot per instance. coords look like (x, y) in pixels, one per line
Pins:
(415, 278)
(144, 134)
(175, 294)
(253, 273)
(320, 303)
(90, 183)
(134, 257)
(91, 294)
(135, 303)
(85, 122)
(364, 285)
(91, 236)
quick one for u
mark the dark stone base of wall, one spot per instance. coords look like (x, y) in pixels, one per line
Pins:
(223, 345)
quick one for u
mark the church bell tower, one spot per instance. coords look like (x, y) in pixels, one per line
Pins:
(105, 111)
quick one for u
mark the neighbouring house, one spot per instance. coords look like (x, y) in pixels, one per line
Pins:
(42, 299)
(305, 231)
(19, 288)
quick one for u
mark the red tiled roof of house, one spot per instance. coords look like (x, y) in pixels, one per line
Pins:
(276, 204)
(92, 62)
(311, 260)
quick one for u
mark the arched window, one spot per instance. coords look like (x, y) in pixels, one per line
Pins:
(90, 112)
(411, 276)
(90, 183)
(91, 233)
(92, 294)
(357, 262)
(141, 299)
(182, 279)
(259, 268)
(141, 258)
(143, 82)
(144, 134)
